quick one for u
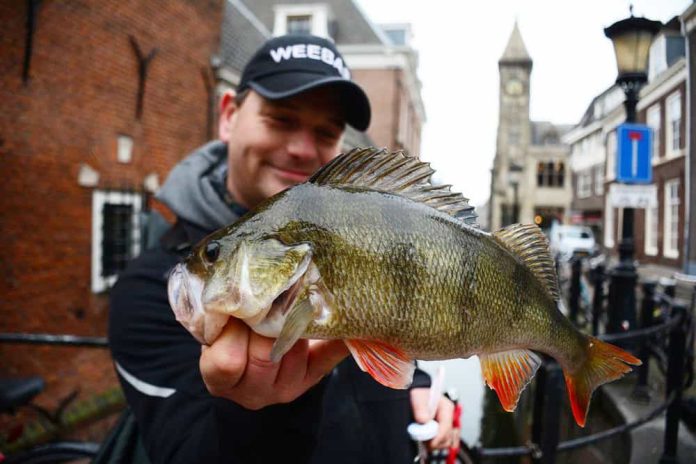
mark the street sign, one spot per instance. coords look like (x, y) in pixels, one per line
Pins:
(632, 196)
(634, 154)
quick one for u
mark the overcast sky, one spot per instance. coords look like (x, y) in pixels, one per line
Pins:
(459, 44)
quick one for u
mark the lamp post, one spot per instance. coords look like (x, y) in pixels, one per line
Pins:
(632, 38)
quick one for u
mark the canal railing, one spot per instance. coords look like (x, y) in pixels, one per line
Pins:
(665, 333)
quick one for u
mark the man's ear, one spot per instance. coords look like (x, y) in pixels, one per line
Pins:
(228, 107)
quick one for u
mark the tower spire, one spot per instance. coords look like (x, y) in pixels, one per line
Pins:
(515, 51)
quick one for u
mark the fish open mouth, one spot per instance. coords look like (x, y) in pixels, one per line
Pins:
(269, 322)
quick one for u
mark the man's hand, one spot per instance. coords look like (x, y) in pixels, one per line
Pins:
(237, 366)
(443, 415)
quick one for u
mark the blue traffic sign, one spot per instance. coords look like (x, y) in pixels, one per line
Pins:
(634, 154)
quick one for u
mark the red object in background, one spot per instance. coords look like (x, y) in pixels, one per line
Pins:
(456, 424)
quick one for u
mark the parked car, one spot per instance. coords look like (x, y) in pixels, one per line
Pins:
(569, 240)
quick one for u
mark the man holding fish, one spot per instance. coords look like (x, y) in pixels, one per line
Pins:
(233, 394)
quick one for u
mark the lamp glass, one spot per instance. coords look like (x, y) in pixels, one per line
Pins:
(632, 49)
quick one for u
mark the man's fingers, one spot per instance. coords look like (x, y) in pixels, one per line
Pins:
(323, 357)
(419, 404)
(293, 366)
(260, 368)
(223, 363)
(443, 416)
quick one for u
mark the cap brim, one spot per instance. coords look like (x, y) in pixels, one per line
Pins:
(354, 102)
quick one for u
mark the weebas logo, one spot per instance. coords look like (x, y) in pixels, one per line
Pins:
(312, 52)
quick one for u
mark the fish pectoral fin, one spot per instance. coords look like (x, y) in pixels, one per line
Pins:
(388, 365)
(508, 373)
(295, 325)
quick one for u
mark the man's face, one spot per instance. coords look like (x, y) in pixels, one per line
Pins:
(275, 144)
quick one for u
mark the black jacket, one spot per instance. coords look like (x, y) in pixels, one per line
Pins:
(347, 418)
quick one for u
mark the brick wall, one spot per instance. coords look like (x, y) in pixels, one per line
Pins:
(80, 96)
(381, 86)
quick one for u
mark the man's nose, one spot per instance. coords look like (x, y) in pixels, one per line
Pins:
(302, 144)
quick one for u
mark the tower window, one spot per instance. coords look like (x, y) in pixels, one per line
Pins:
(301, 24)
(551, 174)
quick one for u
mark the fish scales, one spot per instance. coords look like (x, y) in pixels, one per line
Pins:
(405, 269)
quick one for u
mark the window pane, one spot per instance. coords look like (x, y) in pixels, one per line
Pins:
(299, 24)
(654, 123)
(117, 232)
(671, 228)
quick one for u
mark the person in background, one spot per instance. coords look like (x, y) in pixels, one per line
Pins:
(228, 402)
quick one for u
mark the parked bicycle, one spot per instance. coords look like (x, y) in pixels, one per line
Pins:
(17, 394)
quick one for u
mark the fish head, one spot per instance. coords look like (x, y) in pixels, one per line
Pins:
(243, 277)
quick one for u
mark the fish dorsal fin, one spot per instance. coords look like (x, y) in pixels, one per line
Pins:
(529, 243)
(394, 172)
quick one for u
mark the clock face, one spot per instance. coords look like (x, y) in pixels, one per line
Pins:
(514, 87)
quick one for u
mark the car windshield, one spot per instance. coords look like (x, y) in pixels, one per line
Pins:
(576, 232)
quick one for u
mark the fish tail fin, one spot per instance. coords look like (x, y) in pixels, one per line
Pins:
(604, 363)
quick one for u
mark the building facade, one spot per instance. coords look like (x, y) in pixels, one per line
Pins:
(659, 235)
(528, 181)
(99, 102)
(381, 58)
(688, 20)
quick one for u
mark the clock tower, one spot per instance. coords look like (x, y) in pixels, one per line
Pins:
(514, 130)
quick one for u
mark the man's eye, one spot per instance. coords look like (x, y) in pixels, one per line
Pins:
(328, 136)
(283, 121)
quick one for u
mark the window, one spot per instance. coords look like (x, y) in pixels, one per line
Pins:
(654, 122)
(302, 19)
(611, 155)
(584, 187)
(673, 125)
(651, 230)
(599, 179)
(115, 235)
(301, 24)
(550, 174)
(671, 220)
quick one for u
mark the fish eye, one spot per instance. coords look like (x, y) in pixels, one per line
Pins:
(212, 251)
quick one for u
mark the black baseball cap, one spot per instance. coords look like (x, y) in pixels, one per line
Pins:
(291, 64)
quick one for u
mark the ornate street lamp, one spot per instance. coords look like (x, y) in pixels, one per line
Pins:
(632, 38)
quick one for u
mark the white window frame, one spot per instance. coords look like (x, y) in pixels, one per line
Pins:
(673, 108)
(653, 119)
(99, 199)
(611, 155)
(584, 187)
(670, 217)
(599, 179)
(651, 227)
(608, 223)
(319, 14)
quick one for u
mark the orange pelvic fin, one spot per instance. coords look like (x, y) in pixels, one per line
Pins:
(388, 365)
(508, 372)
(604, 363)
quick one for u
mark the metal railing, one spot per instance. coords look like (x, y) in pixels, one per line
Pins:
(667, 338)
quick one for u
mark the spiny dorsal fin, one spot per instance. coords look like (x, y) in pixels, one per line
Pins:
(397, 173)
(529, 243)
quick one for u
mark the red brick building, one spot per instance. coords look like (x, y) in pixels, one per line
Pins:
(99, 101)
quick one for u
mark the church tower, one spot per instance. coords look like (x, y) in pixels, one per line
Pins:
(514, 132)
